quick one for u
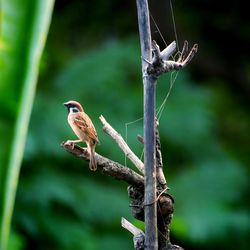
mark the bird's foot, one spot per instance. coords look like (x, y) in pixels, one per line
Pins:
(69, 143)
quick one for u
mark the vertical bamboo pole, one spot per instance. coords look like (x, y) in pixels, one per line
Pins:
(149, 83)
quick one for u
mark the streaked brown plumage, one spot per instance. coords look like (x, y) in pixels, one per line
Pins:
(83, 127)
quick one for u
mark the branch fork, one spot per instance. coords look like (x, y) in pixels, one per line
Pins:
(107, 166)
(155, 211)
(161, 63)
(136, 183)
(107, 128)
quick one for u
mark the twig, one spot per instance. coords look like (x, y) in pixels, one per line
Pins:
(161, 64)
(138, 234)
(122, 144)
(159, 164)
(130, 227)
(140, 139)
(108, 166)
(156, 52)
(168, 51)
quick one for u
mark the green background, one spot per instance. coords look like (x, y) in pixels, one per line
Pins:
(92, 55)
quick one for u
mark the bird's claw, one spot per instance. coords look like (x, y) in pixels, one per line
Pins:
(70, 144)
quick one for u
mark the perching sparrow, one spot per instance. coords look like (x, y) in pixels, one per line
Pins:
(83, 128)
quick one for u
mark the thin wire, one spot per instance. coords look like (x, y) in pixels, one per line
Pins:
(172, 77)
(142, 153)
(158, 29)
(158, 114)
(162, 106)
(126, 135)
(175, 32)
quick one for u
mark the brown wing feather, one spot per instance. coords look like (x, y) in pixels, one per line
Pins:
(85, 124)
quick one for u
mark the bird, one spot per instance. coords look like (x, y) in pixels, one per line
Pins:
(84, 129)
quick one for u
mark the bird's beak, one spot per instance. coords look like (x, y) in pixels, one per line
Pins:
(65, 104)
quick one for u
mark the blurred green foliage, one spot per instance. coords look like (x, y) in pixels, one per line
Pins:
(24, 27)
(206, 181)
(94, 58)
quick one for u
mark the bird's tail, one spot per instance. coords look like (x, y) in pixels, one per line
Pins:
(92, 160)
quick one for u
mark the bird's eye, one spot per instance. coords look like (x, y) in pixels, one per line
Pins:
(75, 110)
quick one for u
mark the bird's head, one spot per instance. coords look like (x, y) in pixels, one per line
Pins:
(73, 106)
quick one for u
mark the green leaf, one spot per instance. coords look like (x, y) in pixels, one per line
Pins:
(24, 27)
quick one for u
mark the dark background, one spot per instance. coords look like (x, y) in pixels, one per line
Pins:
(92, 55)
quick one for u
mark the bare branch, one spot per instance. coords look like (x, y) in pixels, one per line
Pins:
(182, 61)
(159, 164)
(160, 63)
(190, 55)
(168, 51)
(184, 52)
(108, 166)
(156, 52)
(140, 139)
(122, 144)
(138, 234)
(130, 227)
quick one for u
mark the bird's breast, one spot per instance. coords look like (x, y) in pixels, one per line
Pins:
(77, 130)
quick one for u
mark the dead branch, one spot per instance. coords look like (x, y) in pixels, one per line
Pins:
(165, 202)
(140, 139)
(161, 64)
(168, 51)
(162, 183)
(107, 166)
(139, 236)
(122, 144)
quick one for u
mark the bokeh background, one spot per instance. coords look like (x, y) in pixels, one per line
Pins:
(92, 55)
